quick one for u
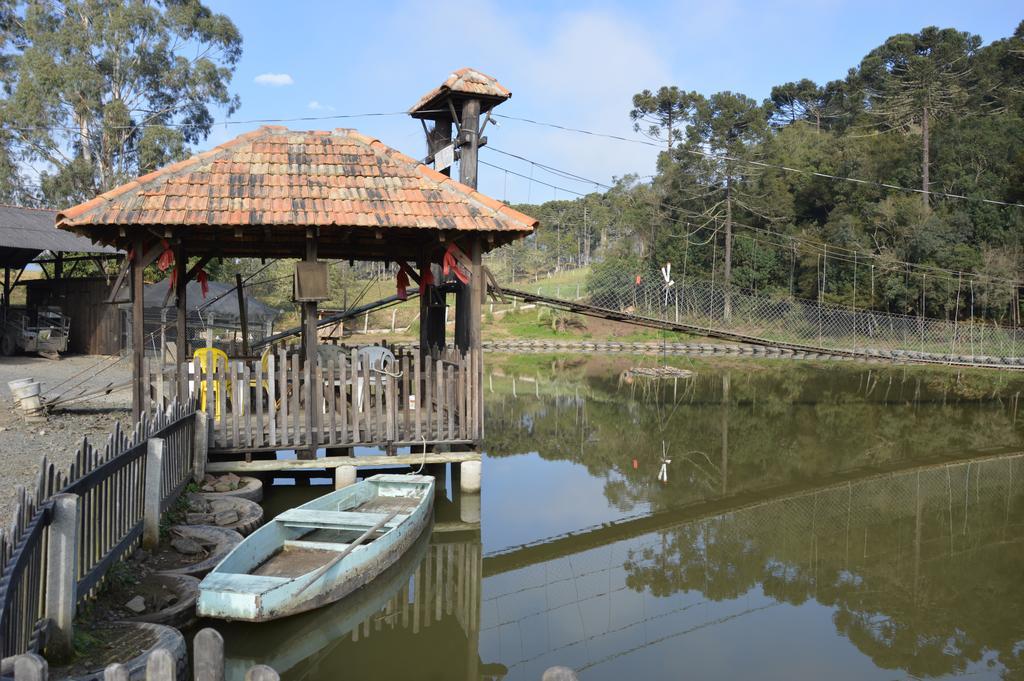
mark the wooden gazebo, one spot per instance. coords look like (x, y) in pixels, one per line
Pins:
(314, 196)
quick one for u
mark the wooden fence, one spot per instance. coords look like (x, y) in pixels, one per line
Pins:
(264, 404)
(207, 665)
(67, 533)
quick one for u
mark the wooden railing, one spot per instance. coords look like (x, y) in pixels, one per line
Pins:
(264, 404)
(106, 489)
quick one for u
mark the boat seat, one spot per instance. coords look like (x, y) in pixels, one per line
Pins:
(241, 583)
(315, 545)
(336, 520)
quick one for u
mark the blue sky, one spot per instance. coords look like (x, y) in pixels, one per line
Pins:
(574, 63)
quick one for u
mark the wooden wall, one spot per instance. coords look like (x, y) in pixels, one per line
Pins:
(95, 324)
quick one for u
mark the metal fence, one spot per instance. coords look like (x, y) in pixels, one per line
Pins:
(810, 324)
(109, 487)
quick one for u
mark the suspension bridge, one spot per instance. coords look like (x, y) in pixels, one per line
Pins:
(706, 308)
(777, 323)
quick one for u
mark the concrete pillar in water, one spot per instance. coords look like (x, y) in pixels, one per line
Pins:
(344, 476)
(469, 477)
(469, 508)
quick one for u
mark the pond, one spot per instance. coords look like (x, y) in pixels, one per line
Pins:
(757, 519)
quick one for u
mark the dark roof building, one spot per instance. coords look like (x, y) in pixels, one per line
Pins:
(27, 232)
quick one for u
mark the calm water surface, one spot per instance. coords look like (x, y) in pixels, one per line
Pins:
(818, 522)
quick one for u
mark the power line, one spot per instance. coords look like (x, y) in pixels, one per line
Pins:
(762, 164)
(214, 124)
(840, 253)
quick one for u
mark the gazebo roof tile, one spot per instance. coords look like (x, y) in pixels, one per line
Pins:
(276, 176)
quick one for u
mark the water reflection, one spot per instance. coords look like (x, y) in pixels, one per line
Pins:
(860, 524)
(920, 572)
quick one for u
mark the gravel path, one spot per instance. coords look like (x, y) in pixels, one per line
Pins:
(22, 444)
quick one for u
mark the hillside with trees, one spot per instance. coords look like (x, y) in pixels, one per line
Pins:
(886, 188)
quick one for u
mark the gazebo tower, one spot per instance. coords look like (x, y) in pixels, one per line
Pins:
(460, 101)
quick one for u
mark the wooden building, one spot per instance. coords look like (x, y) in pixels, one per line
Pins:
(318, 196)
(28, 237)
(97, 327)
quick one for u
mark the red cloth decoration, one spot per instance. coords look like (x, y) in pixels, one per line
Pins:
(166, 258)
(203, 284)
(173, 279)
(403, 283)
(451, 265)
(426, 277)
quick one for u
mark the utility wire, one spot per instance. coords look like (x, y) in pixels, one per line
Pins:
(762, 164)
(840, 253)
(251, 121)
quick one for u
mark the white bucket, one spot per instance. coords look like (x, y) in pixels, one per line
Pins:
(24, 387)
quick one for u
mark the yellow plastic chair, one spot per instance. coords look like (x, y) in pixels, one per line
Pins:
(212, 359)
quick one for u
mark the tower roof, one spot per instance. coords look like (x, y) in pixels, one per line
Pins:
(466, 83)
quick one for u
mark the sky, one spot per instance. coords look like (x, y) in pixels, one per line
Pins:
(571, 63)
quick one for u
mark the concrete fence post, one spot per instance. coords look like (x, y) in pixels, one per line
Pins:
(208, 656)
(200, 446)
(30, 667)
(261, 672)
(62, 575)
(160, 666)
(115, 672)
(153, 493)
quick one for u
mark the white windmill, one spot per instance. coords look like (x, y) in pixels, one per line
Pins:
(666, 275)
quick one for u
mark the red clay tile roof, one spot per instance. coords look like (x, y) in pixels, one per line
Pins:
(466, 81)
(276, 176)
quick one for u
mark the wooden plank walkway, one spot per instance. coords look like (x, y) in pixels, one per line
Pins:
(285, 465)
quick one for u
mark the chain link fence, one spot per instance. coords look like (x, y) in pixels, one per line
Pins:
(814, 325)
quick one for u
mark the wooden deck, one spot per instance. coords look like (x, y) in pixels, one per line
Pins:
(278, 402)
(330, 462)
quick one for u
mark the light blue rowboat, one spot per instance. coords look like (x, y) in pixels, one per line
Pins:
(319, 552)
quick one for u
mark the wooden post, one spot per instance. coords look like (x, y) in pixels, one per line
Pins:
(181, 320)
(242, 315)
(208, 656)
(201, 446)
(62, 575)
(310, 342)
(138, 339)
(153, 493)
(469, 142)
(7, 290)
(476, 298)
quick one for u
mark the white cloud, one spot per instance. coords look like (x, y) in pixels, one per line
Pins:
(315, 105)
(273, 79)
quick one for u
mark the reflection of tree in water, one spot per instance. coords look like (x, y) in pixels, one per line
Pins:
(923, 569)
(738, 430)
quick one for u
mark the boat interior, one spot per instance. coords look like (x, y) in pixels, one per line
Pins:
(305, 539)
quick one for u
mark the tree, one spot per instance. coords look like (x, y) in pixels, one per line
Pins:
(104, 90)
(802, 100)
(913, 79)
(728, 126)
(665, 113)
